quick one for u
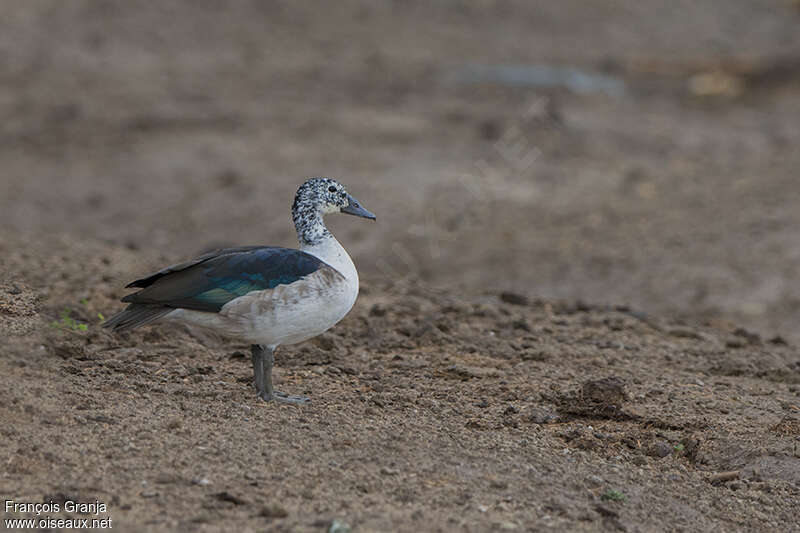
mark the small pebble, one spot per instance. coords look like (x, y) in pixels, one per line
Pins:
(337, 526)
(540, 416)
(594, 480)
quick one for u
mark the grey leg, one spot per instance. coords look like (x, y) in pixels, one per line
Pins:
(258, 367)
(263, 360)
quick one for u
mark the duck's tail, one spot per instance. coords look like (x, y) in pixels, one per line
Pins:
(136, 315)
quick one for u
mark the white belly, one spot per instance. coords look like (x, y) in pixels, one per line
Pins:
(287, 314)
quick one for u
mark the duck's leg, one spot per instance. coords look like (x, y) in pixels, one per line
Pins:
(263, 359)
(257, 352)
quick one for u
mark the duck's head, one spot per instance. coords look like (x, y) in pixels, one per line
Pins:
(320, 196)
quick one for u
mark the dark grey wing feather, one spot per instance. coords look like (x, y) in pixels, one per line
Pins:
(152, 278)
(210, 281)
(136, 315)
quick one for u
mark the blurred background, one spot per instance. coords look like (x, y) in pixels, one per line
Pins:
(634, 152)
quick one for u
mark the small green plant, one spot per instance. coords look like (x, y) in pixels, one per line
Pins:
(69, 323)
(613, 495)
(679, 447)
(85, 302)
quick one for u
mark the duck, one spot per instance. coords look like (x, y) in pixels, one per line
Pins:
(266, 296)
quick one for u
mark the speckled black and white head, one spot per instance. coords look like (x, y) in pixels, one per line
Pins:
(318, 197)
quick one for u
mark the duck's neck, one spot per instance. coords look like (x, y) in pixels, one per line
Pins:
(316, 240)
(334, 254)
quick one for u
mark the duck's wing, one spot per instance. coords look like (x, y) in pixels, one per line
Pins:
(210, 281)
(149, 280)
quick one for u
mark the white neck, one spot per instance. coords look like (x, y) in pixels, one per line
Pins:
(329, 250)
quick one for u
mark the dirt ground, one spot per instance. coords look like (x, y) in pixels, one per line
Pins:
(579, 301)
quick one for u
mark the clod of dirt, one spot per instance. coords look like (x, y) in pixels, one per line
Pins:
(273, 511)
(609, 392)
(326, 342)
(429, 334)
(659, 449)
(685, 333)
(580, 439)
(513, 298)
(541, 417)
(604, 396)
(377, 310)
(18, 309)
(778, 340)
(586, 444)
(467, 372)
(69, 350)
(723, 477)
(750, 336)
(690, 448)
(226, 496)
(101, 419)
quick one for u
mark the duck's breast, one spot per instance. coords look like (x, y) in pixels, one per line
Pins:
(293, 312)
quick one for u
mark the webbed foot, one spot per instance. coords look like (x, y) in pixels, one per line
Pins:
(281, 397)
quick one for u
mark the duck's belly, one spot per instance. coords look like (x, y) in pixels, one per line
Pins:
(287, 314)
(288, 320)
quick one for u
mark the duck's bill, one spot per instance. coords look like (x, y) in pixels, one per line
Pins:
(354, 208)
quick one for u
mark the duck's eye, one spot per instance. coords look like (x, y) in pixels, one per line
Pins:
(332, 188)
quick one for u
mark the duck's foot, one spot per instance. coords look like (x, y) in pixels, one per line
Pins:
(284, 398)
